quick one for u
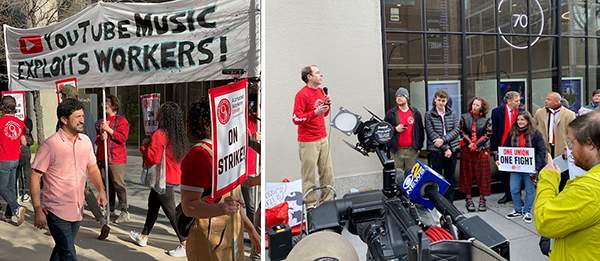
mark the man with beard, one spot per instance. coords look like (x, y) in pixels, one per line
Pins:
(63, 161)
(571, 216)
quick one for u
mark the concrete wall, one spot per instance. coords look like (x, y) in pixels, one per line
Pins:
(344, 39)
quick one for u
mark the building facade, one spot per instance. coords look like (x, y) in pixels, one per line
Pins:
(368, 49)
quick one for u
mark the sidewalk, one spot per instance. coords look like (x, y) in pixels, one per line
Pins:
(29, 243)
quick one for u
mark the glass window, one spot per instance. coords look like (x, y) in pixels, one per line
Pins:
(403, 14)
(405, 64)
(514, 19)
(480, 16)
(443, 15)
(572, 17)
(444, 68)
(543, 71)
(594, 18)
(594, 68)
(573, 70)
(481, 73)
(513, 70)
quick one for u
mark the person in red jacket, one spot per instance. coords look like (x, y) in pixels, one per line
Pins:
(172, 138)
(115, 131)
(311, 106)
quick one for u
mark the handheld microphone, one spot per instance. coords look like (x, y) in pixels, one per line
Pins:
(421, 181)
(326, 91)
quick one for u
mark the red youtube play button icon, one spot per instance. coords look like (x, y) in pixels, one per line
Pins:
(31, 44)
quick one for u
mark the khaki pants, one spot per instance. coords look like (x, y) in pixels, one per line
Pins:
(315, 155)
(405, 158)
(117, 186)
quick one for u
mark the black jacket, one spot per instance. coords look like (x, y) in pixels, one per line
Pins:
(434, 130)
(483, 128)
(391, 117)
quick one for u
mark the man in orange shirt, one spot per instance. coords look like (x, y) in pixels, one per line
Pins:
(62, 161)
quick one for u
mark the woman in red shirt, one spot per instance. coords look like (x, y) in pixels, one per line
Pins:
(210, 238)
(169, 136)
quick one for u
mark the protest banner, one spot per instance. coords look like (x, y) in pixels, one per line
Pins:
(20, 99)
(516, 159)
(150, 107)
(123, 44)
(229, 115)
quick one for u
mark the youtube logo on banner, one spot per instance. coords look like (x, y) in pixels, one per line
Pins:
(31, 44)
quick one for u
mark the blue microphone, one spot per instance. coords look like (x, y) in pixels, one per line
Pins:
(420, 181)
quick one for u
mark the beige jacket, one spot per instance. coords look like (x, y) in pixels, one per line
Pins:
(565, 116)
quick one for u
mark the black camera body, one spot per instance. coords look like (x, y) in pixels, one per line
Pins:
(393, 226)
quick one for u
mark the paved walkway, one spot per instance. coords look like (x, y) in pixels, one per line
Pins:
(29, 243)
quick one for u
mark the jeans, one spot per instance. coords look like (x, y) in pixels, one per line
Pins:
(515, 190)
(445, 167)
(24, 170)
(167, 202)
(64, 233)
(8, 170)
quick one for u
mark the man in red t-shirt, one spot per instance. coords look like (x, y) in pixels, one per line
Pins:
(408, 135)
(11, 138)
(311, 105)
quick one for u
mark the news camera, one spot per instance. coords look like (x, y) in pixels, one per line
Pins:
(411, 221)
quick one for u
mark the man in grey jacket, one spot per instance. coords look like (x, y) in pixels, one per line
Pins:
(441, 126)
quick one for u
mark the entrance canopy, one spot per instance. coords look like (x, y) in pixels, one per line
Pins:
(120, 44)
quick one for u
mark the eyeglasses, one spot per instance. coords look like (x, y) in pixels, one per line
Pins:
(569, 143)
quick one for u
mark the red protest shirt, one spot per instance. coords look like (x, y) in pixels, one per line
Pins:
(311, 127)
(405, 138)
(152, 155)
(117, 149)
(196, 170)
(251, 154)
(11, 131)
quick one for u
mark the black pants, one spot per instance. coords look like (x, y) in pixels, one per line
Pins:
(155, 202)
(446, 167)
(24, 171)
(505, 177)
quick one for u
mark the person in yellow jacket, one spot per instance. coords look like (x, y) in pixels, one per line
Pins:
(572, 217)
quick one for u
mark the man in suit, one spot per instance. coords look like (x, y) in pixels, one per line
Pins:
(503, 118)
(552, 121)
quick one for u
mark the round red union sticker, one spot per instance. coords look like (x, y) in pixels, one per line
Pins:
(224, 111)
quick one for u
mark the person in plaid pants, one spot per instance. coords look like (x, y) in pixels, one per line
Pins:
(475, 130)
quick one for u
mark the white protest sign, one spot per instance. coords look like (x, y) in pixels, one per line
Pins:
(574, 170)
(20, 99)
(279, 192)
(229, 114)
(120, 44)
(150, 107)
(516, 159)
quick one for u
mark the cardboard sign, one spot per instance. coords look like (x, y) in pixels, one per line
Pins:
(121, 44)
(150, 107)
(516, 159)
(229, 114)
(61, 84)
(279, 192)
(20, 99)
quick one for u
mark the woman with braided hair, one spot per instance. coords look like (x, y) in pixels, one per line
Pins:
(170, 138)
(212, 236)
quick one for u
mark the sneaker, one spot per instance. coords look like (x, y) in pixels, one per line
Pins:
(470, 206)
(25, 198)
(513, 214)
(104, 231)
(123, 217)
(178, 252)
(138, 238)
(482, 205)
(19, 217)
(528, 218)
